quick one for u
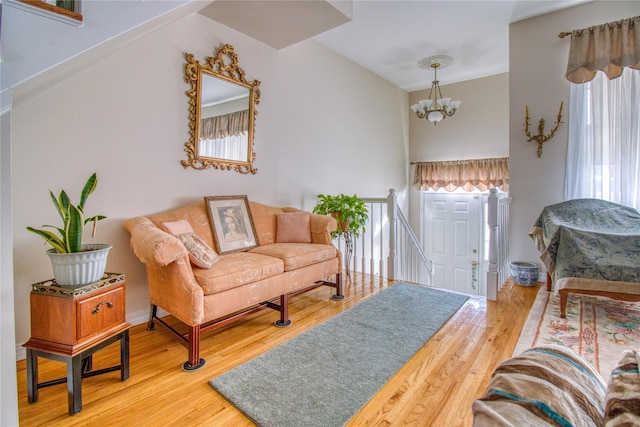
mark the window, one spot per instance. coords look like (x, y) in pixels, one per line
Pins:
(66, 8)
(603, 155)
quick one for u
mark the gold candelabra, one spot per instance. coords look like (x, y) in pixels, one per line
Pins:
(541, 137)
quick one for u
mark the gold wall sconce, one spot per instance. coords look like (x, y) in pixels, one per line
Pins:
(541, 137)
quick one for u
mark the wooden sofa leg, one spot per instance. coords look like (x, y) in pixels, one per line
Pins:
(284, 320)
(338, 295)
(151, 326)
(194, 362)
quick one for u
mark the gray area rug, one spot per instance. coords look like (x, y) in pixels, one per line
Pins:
(325, 375)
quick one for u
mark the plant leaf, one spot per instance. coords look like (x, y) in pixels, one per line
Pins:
(94, 218)
(63, 205)
(89, 187)
(50, 238)
(73, 229)
(56, 204)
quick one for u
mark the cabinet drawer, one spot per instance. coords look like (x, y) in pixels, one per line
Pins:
(100, 312)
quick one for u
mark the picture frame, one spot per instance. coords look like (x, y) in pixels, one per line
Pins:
(231, 223)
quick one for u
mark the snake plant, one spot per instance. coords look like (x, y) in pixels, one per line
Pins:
(68, 238)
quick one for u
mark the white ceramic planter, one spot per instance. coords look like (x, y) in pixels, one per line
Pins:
(79, 268)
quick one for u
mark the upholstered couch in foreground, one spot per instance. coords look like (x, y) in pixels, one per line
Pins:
(553, 386)
(237, 283)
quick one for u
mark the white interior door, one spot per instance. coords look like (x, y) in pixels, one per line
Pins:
(451, 237)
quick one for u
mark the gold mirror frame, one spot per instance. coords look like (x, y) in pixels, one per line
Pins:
(223, 66)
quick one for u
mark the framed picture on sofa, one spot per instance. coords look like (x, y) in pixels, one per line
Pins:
(231, 223)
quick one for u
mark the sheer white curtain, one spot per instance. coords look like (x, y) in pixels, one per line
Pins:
(603, 156)
(232, 147)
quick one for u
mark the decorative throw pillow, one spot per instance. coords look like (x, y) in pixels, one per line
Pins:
(293, 227)
(177, 228)
(200, 253)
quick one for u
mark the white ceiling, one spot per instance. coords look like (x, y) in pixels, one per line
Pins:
(389, 37)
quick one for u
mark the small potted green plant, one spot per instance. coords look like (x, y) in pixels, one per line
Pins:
(73, 262)
(351, 214)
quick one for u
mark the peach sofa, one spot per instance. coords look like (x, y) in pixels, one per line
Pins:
(237, 284)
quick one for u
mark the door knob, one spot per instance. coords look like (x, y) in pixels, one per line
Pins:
(474, 263)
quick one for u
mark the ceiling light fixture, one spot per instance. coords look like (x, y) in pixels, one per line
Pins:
(435, 108)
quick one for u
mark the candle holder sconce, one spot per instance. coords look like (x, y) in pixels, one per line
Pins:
(541, 137)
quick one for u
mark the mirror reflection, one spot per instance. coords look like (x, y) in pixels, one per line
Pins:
(224, 120)
(222, 113)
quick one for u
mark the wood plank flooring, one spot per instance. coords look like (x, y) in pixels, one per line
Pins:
(435, 388)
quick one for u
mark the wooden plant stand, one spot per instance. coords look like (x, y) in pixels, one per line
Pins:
(70, 324)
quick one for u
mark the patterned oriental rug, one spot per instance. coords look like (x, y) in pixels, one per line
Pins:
(597, 328)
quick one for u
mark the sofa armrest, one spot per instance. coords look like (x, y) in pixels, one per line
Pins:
(153, 246)
(321, 226)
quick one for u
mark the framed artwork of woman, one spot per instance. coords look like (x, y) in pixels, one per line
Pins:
(231, 223)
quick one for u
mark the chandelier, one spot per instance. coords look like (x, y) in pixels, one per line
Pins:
(435, 108)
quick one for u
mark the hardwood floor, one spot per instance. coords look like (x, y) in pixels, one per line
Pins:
(435, 388)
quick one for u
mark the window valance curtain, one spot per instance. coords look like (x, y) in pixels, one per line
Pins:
(481, 174)
(231, 124)
(609, 47)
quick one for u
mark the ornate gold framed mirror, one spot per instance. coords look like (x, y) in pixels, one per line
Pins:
(222, 112)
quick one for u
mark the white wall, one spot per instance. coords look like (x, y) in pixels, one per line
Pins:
(479, 129)
(8, 391)
(322, 122)
(537, 64)
(54, 41)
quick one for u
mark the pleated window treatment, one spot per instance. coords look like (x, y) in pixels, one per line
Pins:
(609, 48)
(481, 174)
(231, 124)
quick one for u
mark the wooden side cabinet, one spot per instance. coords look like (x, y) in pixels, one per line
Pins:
(69, 324)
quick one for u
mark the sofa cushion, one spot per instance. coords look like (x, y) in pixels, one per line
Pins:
(293, 227)
(200, 253)
(237, 269)
(297, 255)
(546, 385)
(623, 392)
